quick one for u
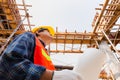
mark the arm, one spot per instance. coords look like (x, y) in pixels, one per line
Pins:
(15, 62)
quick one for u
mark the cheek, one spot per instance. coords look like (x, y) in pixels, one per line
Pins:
(50, 38)
(47, 37)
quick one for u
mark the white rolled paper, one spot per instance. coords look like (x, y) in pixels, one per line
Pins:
(90, 63)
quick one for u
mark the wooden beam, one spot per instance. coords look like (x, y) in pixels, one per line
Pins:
(12, 4)
(100, 16)
(66, 51)
(7, 31)
(111, 4)
(107, 16)
(76, 41)
(106, 9)
(76, 34)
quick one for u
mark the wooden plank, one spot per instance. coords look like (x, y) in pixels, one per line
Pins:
(6, 31)
(66, 51)
(76, 41)
(12, 4)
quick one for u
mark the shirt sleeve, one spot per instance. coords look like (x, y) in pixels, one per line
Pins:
(15, 63)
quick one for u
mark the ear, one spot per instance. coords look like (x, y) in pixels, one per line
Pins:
(37, 34)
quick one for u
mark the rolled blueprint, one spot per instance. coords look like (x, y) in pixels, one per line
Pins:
(90, 63)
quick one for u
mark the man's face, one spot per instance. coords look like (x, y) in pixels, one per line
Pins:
(45, 36)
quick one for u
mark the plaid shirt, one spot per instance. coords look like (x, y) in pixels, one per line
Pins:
(16, 63)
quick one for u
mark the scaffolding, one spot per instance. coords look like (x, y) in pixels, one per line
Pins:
(106, 27)
(11, 20)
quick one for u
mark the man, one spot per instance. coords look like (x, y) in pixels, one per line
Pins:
(26, 58)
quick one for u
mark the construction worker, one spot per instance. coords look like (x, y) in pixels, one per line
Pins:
(26, 58)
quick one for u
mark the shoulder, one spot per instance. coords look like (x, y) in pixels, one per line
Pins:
(25, 35)
(26, 38)
(28, 34)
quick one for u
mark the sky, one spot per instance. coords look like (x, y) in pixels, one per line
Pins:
(64, 14)
(73, 15)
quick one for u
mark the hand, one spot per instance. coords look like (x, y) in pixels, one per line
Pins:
(66, 75)
(47, 75)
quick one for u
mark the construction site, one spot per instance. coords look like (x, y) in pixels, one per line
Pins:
(106, 27)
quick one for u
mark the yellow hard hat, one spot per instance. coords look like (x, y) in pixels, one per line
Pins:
(49, 28)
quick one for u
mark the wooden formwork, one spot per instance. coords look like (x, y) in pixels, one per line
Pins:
(105, 20)
(11, 18)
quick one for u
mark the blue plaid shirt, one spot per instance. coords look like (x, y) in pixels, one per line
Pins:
(16, 63)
